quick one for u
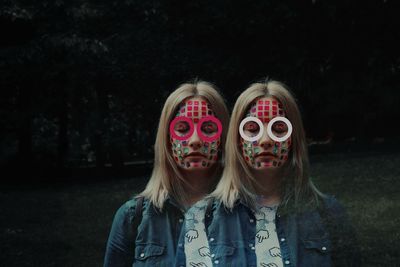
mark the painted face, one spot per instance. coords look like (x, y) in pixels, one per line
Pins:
(195, 135)
(259, 150)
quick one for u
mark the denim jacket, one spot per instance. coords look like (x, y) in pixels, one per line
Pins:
(318, 238)
(156, 239)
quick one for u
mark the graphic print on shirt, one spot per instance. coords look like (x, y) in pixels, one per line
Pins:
(265, 216)
(271, 264)
(191, 232)
(275, 252)
(200, 264)
(197, 251)
(204, 251)
(267, 247)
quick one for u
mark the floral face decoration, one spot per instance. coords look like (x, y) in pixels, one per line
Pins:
(265, 134)
(195, 135)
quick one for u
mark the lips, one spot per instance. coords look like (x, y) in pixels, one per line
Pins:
(265, 154)
(195, 154)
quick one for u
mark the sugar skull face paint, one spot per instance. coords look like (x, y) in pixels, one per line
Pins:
(265, 134)
(195, 135)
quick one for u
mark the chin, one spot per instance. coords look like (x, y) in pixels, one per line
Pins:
(196, 169)
(264, 166)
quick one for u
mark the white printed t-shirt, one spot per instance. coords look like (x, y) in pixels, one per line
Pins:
(267, 246)
(197, 250)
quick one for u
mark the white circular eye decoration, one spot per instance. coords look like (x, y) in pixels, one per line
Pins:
(283, 138)
(254, 138)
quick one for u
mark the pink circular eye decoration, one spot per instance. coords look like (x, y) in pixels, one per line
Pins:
(177, 120)
(209, 138)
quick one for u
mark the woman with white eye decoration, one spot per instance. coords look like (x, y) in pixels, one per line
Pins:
(267, 211)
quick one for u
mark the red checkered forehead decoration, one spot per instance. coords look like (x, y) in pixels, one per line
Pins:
(266, 110)
(195, 110)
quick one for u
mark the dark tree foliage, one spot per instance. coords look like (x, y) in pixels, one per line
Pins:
(83, 82)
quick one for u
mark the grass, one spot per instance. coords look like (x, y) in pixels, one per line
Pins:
(67, 225)
(368, 186)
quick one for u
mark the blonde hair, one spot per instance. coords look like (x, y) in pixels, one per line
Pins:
(237, 181)
(166, 179)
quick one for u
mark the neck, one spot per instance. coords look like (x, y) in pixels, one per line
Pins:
(269, 185)
(197, 186)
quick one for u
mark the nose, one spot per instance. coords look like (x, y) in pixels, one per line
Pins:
(265, 141)
(194, 141)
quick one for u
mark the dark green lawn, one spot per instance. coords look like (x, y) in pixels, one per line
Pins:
(67, 225)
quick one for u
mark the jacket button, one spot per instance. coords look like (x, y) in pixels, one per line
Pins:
(180, 245)
(251, 220)
(141, 255)
(212, 255)
(283, 239)
(287, 262)
(211, 239)
(180, 220)
(323, 248)
(216, 261)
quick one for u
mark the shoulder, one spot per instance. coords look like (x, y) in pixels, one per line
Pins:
(332, 205)
(128, 209)
(123, 231)
(334, 213)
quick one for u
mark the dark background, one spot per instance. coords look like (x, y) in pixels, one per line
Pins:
(83, 84)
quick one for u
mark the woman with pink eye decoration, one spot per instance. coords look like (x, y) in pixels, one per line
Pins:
(164, 224)
(267, 211)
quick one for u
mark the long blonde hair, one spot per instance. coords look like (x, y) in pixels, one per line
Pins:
(166, 179)
(237, 182)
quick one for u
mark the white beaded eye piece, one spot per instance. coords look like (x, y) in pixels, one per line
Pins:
(254, 138)
(283, 138)
(269, 129)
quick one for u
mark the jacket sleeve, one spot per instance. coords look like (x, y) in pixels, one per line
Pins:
(121, 241)
(343, 236)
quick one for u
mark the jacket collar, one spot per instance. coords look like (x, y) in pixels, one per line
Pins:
(170, 202)
(282, 210)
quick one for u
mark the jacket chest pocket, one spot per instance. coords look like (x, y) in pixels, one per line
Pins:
(321, 245)
(223, 255)
(148, 254)
(317, 252)
(223, 251)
